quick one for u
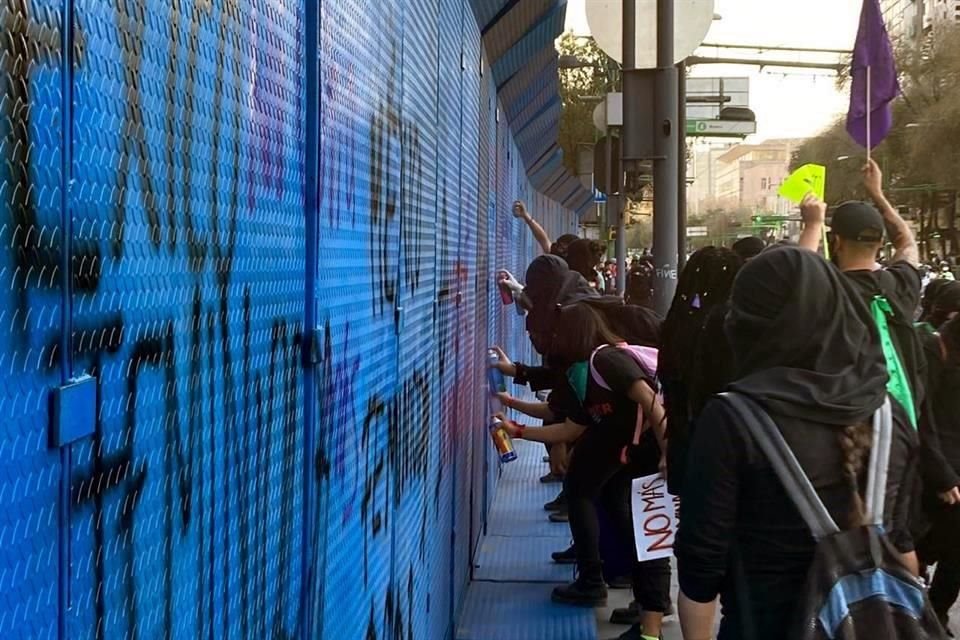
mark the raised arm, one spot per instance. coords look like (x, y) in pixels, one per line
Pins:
(520, 211)
(813, 212)
(904, 242)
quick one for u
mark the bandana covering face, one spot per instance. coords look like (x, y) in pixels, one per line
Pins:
(804, 343)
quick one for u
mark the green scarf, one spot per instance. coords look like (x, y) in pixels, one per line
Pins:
(898, 386)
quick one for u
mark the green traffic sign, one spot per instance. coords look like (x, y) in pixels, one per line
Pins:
(721, 128)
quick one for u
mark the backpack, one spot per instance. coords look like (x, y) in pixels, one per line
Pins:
(646, 358)
(856, 588)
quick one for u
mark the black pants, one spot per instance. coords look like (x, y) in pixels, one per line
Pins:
(946, 579)
(597, 474)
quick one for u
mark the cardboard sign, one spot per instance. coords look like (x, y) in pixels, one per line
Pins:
(810, 178)
(655, 517)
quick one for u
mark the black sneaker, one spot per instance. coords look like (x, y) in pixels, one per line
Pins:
(551, 478)
(557, 504)
(631, 613)
(567, 556)
(560, 516)
(626, 615)
(581, 594)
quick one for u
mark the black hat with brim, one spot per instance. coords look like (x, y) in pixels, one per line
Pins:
(857, 221)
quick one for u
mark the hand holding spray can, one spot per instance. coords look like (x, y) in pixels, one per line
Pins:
(495, 379)
(502, 441)
(506, 295)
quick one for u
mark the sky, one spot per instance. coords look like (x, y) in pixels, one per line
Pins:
(788, 103)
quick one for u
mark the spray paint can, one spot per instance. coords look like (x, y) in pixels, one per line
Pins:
(502, 441)
(495, 379)
(506, 296)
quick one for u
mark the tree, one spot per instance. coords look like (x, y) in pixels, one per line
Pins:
(577, 86)
(923, 149)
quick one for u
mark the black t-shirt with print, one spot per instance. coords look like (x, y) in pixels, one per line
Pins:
(612, 408)
(900, 284)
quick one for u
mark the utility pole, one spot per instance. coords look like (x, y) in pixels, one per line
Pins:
(682, 166)
(665, 165)
(629, 64)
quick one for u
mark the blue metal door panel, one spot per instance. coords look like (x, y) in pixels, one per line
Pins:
(448, 326)
(186, 144)
(471, 435)
(188, 222)
(494, 308)
(31, 231)
(418, 443)
(361, 145)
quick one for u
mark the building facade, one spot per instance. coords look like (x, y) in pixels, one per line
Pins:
(748, 176)
(910, 21)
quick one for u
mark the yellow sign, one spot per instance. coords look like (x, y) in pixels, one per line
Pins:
(810, 178)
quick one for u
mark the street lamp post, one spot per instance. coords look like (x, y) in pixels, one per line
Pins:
(665, 164)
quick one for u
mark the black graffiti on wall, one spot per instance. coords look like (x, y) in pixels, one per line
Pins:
(401, 218)
(392, 450)
(223, 427)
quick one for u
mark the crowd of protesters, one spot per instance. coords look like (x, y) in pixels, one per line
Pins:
(822, 349)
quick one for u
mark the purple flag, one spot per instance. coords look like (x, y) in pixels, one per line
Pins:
(872, 50)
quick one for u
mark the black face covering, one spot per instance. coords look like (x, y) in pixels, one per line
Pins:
(803, 342)
(550, 282)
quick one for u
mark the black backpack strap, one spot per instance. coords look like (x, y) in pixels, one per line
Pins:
(768, 437)
(879, 461)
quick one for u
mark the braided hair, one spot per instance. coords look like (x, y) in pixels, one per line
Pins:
(692, 364)
(705, 283)
(855, 442)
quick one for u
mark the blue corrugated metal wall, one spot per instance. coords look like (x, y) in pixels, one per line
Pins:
(161, 147)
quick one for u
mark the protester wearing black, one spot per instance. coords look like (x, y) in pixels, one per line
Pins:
(605, 429)
(805, 349)
(640, 283)
(695, 361)
(749, 247)
(940, 455)
(857, 232)
(930, 294)
(584, 256)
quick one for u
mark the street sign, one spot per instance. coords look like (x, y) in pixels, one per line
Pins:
(692, 20)
(697, 232)
(707, 96)
(721, 128)
(599, 197)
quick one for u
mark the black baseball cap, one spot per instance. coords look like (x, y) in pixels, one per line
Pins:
(857, 221)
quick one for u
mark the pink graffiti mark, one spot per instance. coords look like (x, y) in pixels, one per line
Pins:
(265, 165)
(455, 395)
